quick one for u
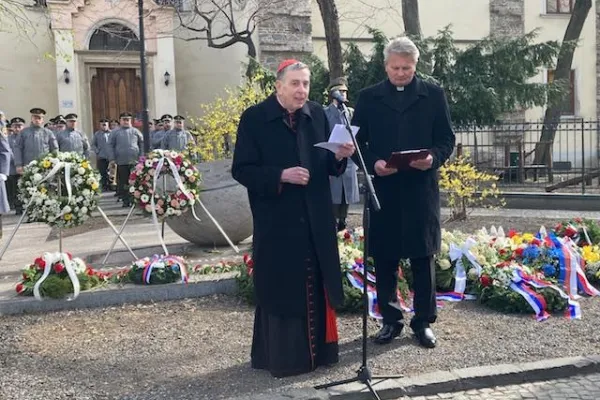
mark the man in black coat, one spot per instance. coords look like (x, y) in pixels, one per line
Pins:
(405, 113)
(297, 276)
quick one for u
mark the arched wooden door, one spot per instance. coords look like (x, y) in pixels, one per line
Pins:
(115, 90)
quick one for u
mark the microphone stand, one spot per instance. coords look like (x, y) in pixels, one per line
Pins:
(364, 375)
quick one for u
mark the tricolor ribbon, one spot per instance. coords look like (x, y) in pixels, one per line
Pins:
(163, 262)
(571, 270)
(50, 259)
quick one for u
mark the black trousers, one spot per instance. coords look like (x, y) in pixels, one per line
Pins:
(123, 172)
(423, 271)
(102, 165)
(12, 190)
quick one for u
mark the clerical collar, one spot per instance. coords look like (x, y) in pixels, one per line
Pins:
(400, 88)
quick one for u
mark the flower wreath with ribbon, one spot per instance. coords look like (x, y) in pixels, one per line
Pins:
(59, 189)
(145, 186)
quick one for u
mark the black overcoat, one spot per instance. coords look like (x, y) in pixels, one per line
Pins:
(290, 221)
(408, 224)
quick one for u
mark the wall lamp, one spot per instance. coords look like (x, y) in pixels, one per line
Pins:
(67, 76)
(167, 78)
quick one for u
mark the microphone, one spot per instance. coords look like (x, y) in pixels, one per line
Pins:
(339, 97)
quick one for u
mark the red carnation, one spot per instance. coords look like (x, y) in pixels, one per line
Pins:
(20, 288)
(512, 233)
(536, 242)
(178, 160)
(486, 280)
(347, 235)
(519, 251)
(58, 268)
(40, 263)
(570, 231)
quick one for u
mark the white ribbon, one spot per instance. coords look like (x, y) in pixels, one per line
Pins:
(191, 200)
(59, 165)
(456, 253)
(50, 259)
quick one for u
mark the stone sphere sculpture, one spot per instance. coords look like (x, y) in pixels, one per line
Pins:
(225, 199)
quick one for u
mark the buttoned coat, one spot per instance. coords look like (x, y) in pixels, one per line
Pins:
(292, 223)
(408, 224)
(347, 183)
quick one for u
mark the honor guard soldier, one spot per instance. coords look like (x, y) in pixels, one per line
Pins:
(177, 138)
(158, 135)
(17, 124)
(114, 124)
(100, 146)
(125, 146)
(34, 141)
(72, 139)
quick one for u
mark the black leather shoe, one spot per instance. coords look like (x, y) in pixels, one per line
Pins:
(426, 337)
(387, 333)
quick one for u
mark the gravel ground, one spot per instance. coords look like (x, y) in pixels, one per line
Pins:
(199, 349)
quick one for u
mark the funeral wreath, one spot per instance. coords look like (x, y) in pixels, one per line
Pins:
(62, 189)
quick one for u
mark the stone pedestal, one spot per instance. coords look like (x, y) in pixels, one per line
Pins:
(225, 199)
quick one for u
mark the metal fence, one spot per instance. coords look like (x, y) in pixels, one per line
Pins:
(513, 151)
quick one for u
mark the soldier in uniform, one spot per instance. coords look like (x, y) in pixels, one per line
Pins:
(344, 188)
(100, 144)
(114, 125)
(177, 138)
(71, 139)
(125, 147)
(59, 125)
(34, 141)
(158, 135)
(16, 124)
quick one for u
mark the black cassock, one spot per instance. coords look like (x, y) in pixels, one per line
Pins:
(297, 276)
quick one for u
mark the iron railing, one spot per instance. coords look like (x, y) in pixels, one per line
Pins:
(512, 150)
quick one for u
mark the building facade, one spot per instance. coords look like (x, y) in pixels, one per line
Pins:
(81, 55)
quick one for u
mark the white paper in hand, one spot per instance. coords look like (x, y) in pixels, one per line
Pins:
(338, 137)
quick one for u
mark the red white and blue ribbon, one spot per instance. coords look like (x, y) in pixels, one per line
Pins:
(164, 262)
(571, 271)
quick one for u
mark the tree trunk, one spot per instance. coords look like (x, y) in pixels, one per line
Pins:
(543, 149)
(331, 23)
(251, 53)
(410, 18)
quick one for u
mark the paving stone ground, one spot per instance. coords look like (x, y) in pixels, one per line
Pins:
(585, 387)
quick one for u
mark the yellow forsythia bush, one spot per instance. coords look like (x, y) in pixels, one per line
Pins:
(217, 128)
(467, 187)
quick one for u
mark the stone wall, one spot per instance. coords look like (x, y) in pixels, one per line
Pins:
(285, 32)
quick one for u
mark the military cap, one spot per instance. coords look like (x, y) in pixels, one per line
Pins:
(104, 120)
(17, 120)
(114, 121)
(59, 116)
(47, 125)
(156, 121)
(37, 111)
(126, 115)
(71, 117)
(60, 121)
(338, 84)
(166, 117)
(179, 118)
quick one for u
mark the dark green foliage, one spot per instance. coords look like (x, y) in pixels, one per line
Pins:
(482, 81)
(508, 301)
(158, 275)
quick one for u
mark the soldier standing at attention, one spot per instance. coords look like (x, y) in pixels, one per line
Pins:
(34, 141)
(71, 139)
(177, 138)
(125, 147)
(100, 146)
(16, 124)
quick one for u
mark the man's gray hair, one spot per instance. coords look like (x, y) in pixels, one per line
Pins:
(292, 67)
(401, 45)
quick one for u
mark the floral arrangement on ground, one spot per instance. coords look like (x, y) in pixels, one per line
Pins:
(158, 269)
(511, 272)
(147, 189)
(55, 273)
(62, 189)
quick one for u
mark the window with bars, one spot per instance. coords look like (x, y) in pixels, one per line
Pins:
(559, 6)
(114, 36)
(568, 104)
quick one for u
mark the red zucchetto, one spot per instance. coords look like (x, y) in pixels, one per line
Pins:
(286, 63)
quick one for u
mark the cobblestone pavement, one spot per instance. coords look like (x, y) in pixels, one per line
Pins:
(585, 387)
